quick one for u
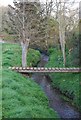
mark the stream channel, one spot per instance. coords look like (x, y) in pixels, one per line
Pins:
(64, 109)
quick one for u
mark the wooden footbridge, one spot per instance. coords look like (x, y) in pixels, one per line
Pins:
(45, 70)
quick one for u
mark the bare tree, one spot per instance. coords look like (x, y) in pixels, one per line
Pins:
(61, 20)
(66, 17)
(21, 17)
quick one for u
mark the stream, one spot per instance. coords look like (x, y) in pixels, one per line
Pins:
(56, 102)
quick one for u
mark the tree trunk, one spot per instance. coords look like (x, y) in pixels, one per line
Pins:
(62, 30)
(24, 54)
(62, 42)
(63, 49)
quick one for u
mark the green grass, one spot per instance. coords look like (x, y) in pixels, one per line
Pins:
(22, 97)
(67, 83)
(12, 56)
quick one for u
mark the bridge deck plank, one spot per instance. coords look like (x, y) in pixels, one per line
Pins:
(44, 70)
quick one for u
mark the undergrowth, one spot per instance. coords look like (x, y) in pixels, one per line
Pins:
(67, 83)
(12, 56)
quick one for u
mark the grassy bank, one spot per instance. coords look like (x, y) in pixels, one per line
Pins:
(12, 55)
(22, 97)
(67, 83)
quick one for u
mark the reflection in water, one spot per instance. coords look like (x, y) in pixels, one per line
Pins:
(55, 101)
